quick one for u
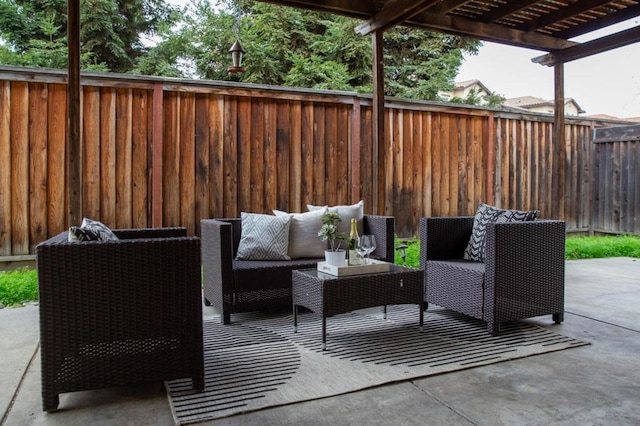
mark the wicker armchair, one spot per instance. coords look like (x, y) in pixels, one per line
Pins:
(119, 312)
(522, 277)
(234, 286)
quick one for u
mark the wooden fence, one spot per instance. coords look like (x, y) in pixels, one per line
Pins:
(168, 152)
(616, 180)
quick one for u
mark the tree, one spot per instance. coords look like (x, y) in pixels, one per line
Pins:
(34, 32)
(295, 47)
(474, 98)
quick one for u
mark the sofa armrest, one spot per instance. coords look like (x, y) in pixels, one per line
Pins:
(217, 256)
(137, 233)
(383, 227)
(525, 262)
(444, 237)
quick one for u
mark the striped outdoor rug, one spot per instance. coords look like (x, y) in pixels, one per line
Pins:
(258, 361)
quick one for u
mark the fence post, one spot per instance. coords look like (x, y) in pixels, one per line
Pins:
(355, 150)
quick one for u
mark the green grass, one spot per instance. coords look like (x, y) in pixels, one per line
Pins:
(18, 286)
(592, 247)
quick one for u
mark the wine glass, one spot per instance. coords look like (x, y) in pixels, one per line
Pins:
(362, 246)
(372, 246)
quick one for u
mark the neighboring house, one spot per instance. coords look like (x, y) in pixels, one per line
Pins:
(611, 117)
(533, 104)
(462, 89)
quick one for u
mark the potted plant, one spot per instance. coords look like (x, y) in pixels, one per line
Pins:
(334, 255)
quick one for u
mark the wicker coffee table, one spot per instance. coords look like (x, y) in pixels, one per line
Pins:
(328, 295)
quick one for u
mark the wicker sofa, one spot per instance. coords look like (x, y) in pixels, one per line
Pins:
(119, 312)
(522, 276)
(233, 286)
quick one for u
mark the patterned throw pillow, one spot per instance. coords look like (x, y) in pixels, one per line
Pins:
(303, 233)
(488, 214)
(264, 237)
(346, 213)
(91, 230)
(77, 233)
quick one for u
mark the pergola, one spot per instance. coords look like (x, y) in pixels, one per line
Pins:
(545, 25)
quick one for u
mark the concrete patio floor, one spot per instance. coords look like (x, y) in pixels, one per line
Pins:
(597, 384)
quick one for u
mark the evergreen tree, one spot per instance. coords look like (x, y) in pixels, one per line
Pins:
(34, 33)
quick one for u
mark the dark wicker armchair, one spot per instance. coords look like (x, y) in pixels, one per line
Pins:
(119, 312)
(234, 286)
(522, 277)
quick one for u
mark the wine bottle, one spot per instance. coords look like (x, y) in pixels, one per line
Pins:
(354, 259)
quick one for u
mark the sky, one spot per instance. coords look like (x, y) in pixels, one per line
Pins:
(606, 83)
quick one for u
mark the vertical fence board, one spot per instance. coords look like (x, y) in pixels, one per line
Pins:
(91, 154)
(427, 187)
(217, 152)
(19, 147)
(187, 167)
(417, 172)
(141, 110)
(255, 151)
(56, 160)
(171, 167)
(203, 158)
(323, 147)
(295, 156)
(270, 157)
(123, 158)
(37, 164)
(283, 155)
(245, 162)
(307, 160)
(5, 168)
(108, 155)
(230, 162)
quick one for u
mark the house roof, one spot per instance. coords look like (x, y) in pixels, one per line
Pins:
(528, 102)
(546, 25)
(470, 83)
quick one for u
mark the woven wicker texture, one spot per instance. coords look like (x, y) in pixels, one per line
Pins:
(119, 312)
(234, 286)
(327, 295)
(522, 277)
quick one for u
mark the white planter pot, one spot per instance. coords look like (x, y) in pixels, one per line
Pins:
(335, 258)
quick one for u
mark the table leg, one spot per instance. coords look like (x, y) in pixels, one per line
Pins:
(324, 332)
(385, 312)
(421, 306)
(295, 318)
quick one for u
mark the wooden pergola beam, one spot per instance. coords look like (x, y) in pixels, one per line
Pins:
(583, 50)
(394, 13)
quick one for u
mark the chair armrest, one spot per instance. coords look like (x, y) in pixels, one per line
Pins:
(444, 237)
(383, 227)
(526, 260)
(217, 256)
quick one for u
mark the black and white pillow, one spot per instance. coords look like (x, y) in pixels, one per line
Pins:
(76, 233)
(489, 214)
(91, 230)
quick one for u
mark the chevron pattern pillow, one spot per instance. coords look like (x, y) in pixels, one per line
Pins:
(489, 214)
(263, 237)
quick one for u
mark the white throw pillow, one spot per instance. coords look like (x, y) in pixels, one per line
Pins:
(263, 237)
(346, 213)
(303, 233)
